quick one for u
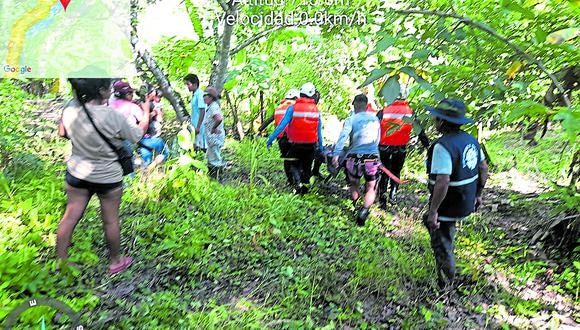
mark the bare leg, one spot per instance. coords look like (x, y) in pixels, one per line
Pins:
(371, 193)
(77, 200)
(110, 203)
(354, 188)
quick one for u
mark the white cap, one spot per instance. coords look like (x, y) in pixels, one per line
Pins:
(308, 89)
(292, 94)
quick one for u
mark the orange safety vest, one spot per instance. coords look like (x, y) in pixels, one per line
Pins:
(393, 115)
(280, 112)
(304, 125)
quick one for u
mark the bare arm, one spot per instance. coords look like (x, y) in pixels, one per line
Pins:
(200, 121)
(218, 118)
(437, 197)
(146, 107)
(62, 130)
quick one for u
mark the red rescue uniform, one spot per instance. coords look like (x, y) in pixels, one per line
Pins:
(279, 114)
(303, 127)
(393, 116)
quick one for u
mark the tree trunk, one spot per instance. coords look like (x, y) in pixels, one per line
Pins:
(144, 56)
(173, 98)
(261, 107)
(222, 57)
(237, 125)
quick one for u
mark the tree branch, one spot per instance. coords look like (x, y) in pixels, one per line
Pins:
(254, 38)
(223, 4)
(492, 32)
(259, 35)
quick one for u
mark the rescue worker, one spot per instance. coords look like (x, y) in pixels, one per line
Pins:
(303, 125)
(395, 135)
(362, 157)
(457, 175)
(283, 143)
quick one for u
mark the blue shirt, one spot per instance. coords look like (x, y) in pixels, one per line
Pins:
(197, 104)
(364, 130)
(286, 120)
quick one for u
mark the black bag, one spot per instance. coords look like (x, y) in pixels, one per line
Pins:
(126, 160)
(125, 156)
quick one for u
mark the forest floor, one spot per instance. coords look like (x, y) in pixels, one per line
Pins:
(250, 254)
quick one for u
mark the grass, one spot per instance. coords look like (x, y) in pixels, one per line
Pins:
(547, 161)
(249, 254)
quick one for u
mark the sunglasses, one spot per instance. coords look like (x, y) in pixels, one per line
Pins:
(206, 94)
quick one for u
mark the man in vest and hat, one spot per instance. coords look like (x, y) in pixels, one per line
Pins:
(396, 130)
(303, 126)
(282, 138)
(457, 174)
(362, 157)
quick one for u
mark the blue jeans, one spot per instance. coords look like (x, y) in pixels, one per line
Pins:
(150, 146)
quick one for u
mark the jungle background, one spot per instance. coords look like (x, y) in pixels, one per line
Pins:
(249, 253)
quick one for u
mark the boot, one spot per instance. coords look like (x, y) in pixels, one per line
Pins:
(362, 216)
(212, 171)
(393, 194)
(383, 202)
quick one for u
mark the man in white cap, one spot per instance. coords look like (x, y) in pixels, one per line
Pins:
(303, 126)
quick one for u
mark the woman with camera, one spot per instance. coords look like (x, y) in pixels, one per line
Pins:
(94, 166)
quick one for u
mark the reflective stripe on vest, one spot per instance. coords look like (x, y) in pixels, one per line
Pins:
(394, 115)
(304, 125)
(306, 115)
(458, 183)
(279, 114)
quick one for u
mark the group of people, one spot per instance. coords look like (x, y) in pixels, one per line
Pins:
(151, 147)
(456, 166)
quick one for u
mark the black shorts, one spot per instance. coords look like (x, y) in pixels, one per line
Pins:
(93, 188)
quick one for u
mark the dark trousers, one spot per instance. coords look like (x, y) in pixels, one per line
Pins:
(284, 146)
(300, 165)
(442, 243)
(393, 158)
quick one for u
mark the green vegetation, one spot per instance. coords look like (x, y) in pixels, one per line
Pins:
(249, 253)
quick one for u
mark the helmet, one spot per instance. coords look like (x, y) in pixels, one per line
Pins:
(308, 89)
(292, 94)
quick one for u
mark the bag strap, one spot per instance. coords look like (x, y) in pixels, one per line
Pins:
(98, 131)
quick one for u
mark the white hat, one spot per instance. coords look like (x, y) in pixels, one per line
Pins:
(292, 94)
(308, 89)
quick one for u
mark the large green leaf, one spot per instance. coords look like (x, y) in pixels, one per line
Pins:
(375, 75)
(515, 7)
(525, 108)
(421, 54)
(570, 118)
(391, 89)
(413, 73)
(383, 44)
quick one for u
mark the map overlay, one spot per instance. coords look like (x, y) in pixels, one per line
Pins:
(60, 39)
